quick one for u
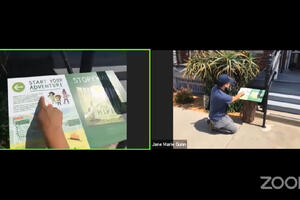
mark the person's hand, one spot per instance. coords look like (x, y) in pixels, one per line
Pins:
(238, 96)
(241, 94)
(50, 122)
(49, 118)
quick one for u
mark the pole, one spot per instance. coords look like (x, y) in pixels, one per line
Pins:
(65, 58)
(86, 61)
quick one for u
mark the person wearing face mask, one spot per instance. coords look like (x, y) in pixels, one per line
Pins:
(219, 102)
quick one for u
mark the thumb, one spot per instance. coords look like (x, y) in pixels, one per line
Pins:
(42, 102)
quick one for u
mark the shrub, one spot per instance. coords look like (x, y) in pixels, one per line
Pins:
(184, 96)
(208, 65)
(235, 106)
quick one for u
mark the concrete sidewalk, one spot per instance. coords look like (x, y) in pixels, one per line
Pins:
(191, 126)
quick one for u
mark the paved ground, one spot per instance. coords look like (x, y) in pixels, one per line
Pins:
(191, 125)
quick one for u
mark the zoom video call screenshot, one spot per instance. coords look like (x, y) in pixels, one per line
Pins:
(146, 99)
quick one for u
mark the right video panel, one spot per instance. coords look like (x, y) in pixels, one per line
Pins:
(227, 99)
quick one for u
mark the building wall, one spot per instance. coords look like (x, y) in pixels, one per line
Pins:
(181, 56)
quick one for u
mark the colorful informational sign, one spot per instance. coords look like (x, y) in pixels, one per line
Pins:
(251, 94)
(93, 106)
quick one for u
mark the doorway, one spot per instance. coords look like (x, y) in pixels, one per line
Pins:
(290, 67)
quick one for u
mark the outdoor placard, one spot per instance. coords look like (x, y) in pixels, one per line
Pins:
(94, 107)
(251, 94)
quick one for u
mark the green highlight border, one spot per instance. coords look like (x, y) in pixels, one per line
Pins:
(149, 52)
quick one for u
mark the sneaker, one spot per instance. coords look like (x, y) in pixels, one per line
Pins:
(210, 128)
(208, 121)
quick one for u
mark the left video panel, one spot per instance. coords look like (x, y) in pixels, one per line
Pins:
(65, 99)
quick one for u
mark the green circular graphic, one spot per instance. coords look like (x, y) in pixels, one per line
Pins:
(18, 87)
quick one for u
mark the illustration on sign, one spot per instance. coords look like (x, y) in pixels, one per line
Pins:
(255, 95)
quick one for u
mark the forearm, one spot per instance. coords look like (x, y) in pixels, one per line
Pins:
(236, 97)
(55, 139)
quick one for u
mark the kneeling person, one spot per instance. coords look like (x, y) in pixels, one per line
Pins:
(219, 101)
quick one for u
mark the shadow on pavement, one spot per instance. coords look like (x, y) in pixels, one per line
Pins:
(201, 126)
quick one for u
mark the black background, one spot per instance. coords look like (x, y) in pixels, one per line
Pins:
(162, 103)
(138, 99)
(226, 173)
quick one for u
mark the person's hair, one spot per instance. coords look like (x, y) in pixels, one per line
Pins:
(219, 84)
